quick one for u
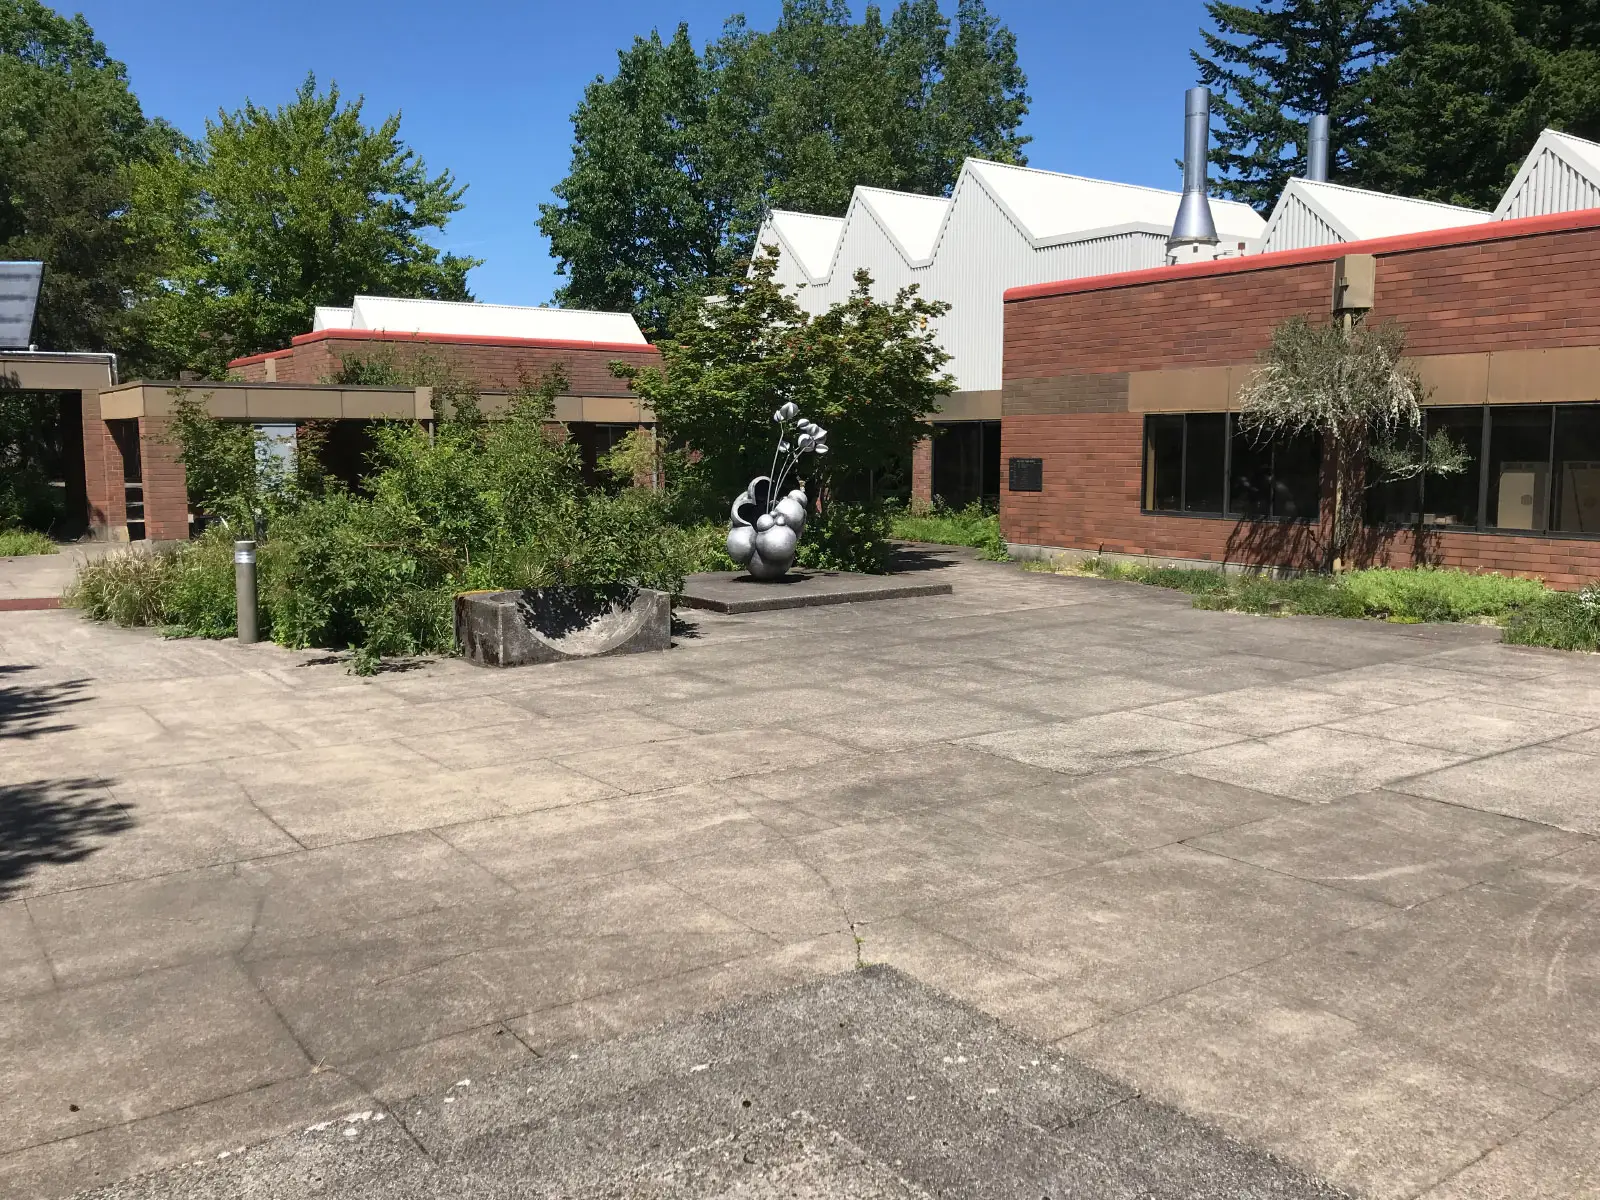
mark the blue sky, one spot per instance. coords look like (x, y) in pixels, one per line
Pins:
(487, 86)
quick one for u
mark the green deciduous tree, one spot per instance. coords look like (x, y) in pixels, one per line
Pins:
(1273, 65)
(275, 211)
(677, 156)
(1473, 84)
(69, 130)
(868, 372)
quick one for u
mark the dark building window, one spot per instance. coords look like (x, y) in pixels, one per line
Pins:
(1533, 468)
(966, 462)
(1202, 463)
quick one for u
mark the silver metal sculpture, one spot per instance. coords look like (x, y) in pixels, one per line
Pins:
(766, 523)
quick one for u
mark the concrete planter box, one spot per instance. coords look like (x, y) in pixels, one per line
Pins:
(536, 625)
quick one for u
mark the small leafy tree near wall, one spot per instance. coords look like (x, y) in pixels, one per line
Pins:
(1348, 384)
(867, 371)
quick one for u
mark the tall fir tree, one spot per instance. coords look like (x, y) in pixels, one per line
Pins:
(1273, 65)
(1474, 83)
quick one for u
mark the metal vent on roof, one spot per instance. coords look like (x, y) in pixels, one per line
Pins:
(1317, 149)
(1194, 224)
(19, 297)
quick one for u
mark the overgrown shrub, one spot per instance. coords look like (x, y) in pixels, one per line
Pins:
(15, 542)
(475, 504)
(1532, 614)
(847, 537)
(1563, 620)
(975, 525)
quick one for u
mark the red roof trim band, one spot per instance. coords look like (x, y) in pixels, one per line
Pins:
(1493, 231)
(451, 339)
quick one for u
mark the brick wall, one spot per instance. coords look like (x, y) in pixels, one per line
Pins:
(102, 473)
(166, 491)
(1530, 289)
(493, 366)
(922, 475)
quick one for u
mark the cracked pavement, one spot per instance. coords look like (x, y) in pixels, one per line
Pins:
(1331, 889)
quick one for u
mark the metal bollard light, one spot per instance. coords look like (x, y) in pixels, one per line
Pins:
(244, 590)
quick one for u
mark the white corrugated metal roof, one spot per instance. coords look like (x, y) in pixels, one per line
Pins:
(1052, 207)
(490, 320)
(327, 317)
(1560, 174)
(811, 239)
(1360, 214)
(911, 220)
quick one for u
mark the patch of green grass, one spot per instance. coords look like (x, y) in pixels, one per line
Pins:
(1562, 620)
(975, 525)
(24, 541)
(1532, 614)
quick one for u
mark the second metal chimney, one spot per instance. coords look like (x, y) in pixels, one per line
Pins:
(1317, 149)
(1194, 226)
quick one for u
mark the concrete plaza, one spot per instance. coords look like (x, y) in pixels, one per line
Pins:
(1329, 888)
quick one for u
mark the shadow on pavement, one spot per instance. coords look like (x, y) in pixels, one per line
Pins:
(53, 821)
(27, 712)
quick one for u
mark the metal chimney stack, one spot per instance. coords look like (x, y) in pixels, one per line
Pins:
(1194, 226)
(1317, 149)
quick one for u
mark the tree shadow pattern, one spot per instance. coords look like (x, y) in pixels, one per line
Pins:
(53, 821)
(31, 711)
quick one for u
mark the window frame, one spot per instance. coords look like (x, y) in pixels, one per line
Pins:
(1482, 527)
(1227, 513)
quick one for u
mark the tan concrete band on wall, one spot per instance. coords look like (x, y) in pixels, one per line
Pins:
(1560, 376)
(45, 373)
(267, 402)
(970, 406)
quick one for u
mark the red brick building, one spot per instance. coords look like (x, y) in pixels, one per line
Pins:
(136, 487)
(1120, 392)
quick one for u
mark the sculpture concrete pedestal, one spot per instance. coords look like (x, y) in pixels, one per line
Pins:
(537, 625)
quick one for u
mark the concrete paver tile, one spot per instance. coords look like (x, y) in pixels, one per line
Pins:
(1089, 695)
(1396, 683)
(1093, 745)
(1468, 725)
(629, 1010)
(540, 737)
(1314, 764)
(1389, 846)
(1122, 934)
(1259, 712)
(354, 994)
(1040, 1008)
(180, 1137)
(1535, 783)
(894, 727)
(701, 758)
(1501, 978)
(1363, 1109)
(83, 834)
(89, 1057)
(766, 887)
(865, 787)
(24, 967)
(430, 799)
(1556, 1159)
(888, 867)
(438, 1064)
(558, 846)
(1107, 815)
(248, 907)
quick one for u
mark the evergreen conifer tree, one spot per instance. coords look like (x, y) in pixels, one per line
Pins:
(1274, 64)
